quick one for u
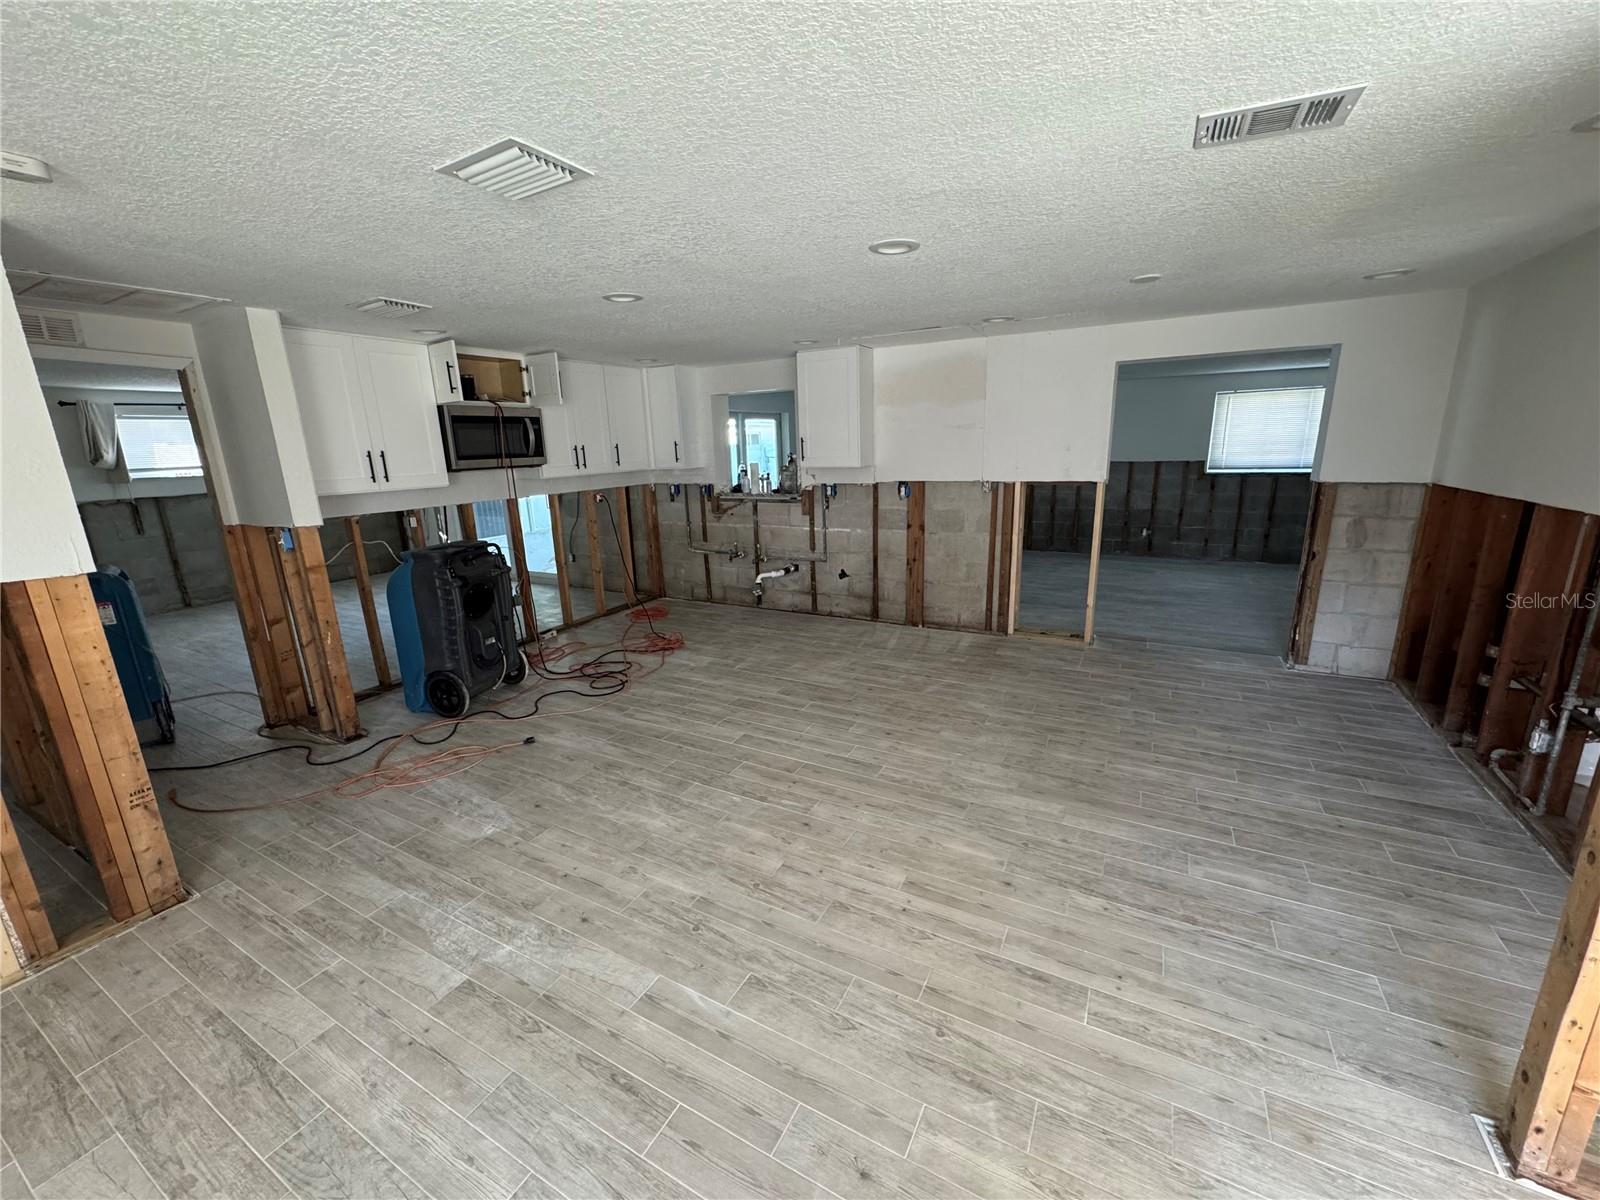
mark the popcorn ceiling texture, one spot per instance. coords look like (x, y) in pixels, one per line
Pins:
(744, 154)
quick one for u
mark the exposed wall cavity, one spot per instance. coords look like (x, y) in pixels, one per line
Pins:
(956, 540)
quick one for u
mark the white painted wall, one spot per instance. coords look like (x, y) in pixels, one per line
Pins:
(1524, 417)
(928, 419)
(1169, 420)
(1047, 396)
(257, 416)
(93, 483)
(40, 534)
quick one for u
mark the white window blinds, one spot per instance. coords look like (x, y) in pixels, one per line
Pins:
(1269, 430)
(158, 447)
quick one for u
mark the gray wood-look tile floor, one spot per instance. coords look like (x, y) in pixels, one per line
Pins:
(817, 908)
(1206, 603)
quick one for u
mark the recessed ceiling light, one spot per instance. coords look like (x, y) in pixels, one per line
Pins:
(807, 342)
(431, 332)
(1147, 278)
(1394, 274)
(895, 246)
(1592, 125)
(622, 297)
(997, 320)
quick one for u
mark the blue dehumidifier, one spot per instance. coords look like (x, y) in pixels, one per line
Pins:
(138, 668)
(455, 631)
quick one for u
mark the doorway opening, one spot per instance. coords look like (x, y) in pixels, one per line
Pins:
(1204, 509)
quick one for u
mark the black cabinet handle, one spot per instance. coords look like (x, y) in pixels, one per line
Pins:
(383, 459)
(585, 457)
(450, 375)
(370, 471)
(674, 450)
(574, 456)
(616, 450)
(802, 449)
(527, 383)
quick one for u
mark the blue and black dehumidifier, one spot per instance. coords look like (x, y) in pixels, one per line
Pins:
(455, 630)
(138, 668)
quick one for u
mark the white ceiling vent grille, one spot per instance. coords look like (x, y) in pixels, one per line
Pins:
(388, 306)
(97, 293)
(50, 328)
(514, 169)
(1321, 111)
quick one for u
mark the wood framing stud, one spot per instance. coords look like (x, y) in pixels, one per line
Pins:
(652, 542)
(467, 518)
(621, 514)
(916, 547)
(597, 565)
(369, 607)
(519, 564)
(1094, 561)
(1556, 1090)
(1312, 559)
(558, 546)
(28, 934)
(1416, 605)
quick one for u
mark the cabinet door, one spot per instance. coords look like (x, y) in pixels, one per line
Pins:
(543, 375)
(333, 411)
(630, 424)
(446, 372)
(400, 401)
(666, 418)
(560, 441)
(828, 407)
(584, 387)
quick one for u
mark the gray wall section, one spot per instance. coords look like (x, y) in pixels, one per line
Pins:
(1170, 418)
(957, 544)
(1364, 577)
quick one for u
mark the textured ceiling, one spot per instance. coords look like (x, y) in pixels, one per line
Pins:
(60, 372)
(745, 154)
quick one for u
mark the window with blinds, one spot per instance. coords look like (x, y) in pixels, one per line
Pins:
(158, 447)
(1269, 430)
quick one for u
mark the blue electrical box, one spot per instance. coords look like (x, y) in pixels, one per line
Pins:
(138, 668)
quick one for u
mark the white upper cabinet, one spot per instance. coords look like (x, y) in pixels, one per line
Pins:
(834, 407)
(446, 371)
(627, 419)
(333, 410)
(368, 410)
(401, 415)
(544, 378)
(667, 450)
(586, 428)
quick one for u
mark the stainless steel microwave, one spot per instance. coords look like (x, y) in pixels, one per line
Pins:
(479, 436)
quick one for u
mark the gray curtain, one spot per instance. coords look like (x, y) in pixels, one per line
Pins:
(98, 420)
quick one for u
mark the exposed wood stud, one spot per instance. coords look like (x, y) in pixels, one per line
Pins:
(519, 565)
(916, 535)
(1451, 597)
(369, 608)
(597, 565)
(416, 529)
(1416, 605)
(558, 544)
(29, 921)
(467, 518)
(988, 574)
(705, 535)
(257, 643)
(623, 531)
(1556, 1088)
(1485, 602)
(1313, 556)
(652, 533)
(1094, 561)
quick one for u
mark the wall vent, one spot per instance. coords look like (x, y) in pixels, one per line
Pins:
(1321, 111)
(50, 328)
(388, 306)
(513, 169)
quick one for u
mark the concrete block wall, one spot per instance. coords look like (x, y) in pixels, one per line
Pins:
(956, 521)
(1370, 540)
(129, 534)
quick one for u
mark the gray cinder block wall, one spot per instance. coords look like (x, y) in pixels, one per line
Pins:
(1364, 577)
(956, 524)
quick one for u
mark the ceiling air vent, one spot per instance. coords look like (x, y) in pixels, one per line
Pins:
(388, 306)
(1321, 111)
(97, 293)
(513, 169)
(49, 328)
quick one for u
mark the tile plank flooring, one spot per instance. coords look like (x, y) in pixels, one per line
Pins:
(817, 908)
